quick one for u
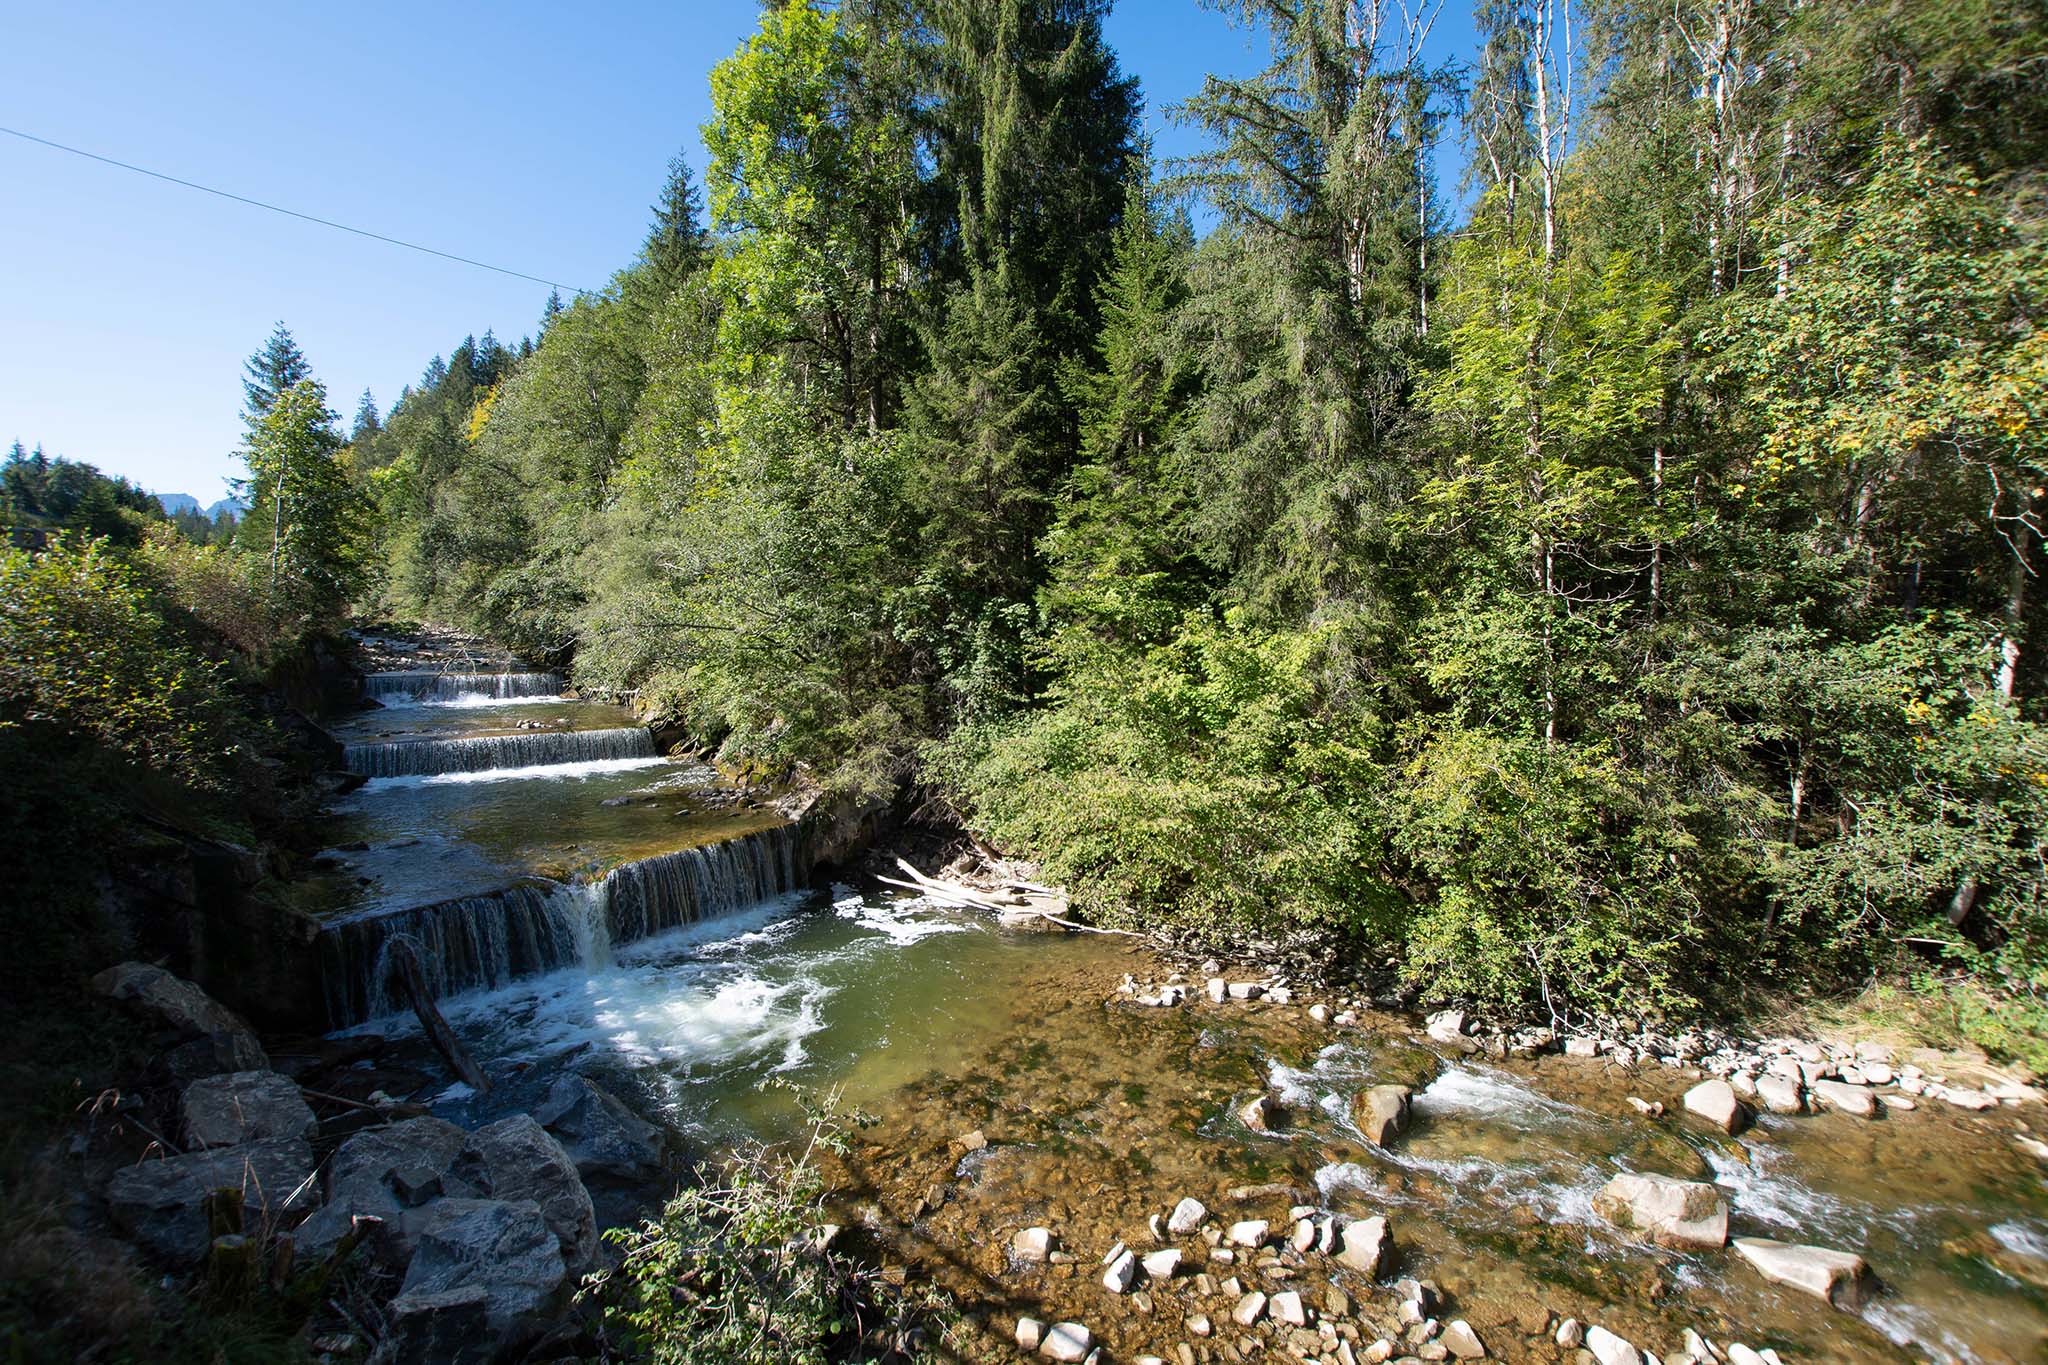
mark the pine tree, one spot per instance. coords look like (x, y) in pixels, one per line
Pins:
(675, 246)
(277, 366)
(550, 311)
(367, 424)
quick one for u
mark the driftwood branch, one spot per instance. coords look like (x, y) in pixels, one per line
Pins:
(1039, 900)
(414, 983)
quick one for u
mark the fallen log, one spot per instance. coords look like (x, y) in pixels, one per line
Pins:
(414, 983)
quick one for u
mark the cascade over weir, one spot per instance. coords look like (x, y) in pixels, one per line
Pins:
(501, 846)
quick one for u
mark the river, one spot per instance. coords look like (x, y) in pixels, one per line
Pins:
(591, 905)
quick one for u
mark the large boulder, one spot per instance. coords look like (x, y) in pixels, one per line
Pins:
(202, 1036)
(503, 1250)
(393, 1174)
(244, 1106)
(1674, 1213)
(1849, 1099)
(517, 1159)
(1837, 1277)
(1716, 1102)
(605, 1139)
(162, 1204)
(1382, 1112)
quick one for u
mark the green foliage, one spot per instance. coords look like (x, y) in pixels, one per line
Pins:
(303, 516)
(85, 652)
(41, 493)
(741, 1271)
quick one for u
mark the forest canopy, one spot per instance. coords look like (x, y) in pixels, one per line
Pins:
(1616, 583)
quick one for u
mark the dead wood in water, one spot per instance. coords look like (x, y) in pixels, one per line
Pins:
(1041, 904)
(414, 982)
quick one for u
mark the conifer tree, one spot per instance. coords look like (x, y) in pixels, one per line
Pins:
(275, 367)
(675, 246)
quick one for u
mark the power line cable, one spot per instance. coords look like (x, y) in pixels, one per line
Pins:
(290, 213)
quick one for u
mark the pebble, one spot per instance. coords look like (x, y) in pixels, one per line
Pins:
(1319, 1013)
(1463, 1342)
(1067, 1341)
(1160, 1265)
(1199, 1324)
(1249, 1233)
(1570, 1334)
(1246, 990)
(1121, 1275)
(1249, 1309)
(1364, 1245)
(1030, 1331)
(1610, 1349)
(1032, 1245)
(1187, 1216)
(1286, 1307)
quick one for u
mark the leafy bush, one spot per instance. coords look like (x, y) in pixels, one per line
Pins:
(742, 1271)
(85, 651)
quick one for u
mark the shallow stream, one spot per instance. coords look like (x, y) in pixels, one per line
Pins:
(1099, 1113)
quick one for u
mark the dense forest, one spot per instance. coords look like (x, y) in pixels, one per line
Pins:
(1605, 582)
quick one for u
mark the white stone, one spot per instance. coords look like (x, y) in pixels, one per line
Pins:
(1364, 1245)
(1199, 1324)
(1446, 1026)
(1218, 989)
(1030, 1331)
(1716, 1102)
(1033, 1246)
(1067, 1341)
(1121, 1275)
(1570, 1334)
(1304, 1235)
(1279, 995)
(1249, 1309)
(1581, 1047)
(1850, 1099)
(1250, 1233)
(1246, 990)
(1610, 1349)
(1780, 1094)
(1686, 1214)
(1109, 1256)
(1838, 1277)
(1260, 1113)
(1160, 1265)
(1969, 1099)
(1463, 1342)
(1319, 1013)
(1286, 1307)
(1187, 1216)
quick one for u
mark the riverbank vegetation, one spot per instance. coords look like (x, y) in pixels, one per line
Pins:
(1601, 579)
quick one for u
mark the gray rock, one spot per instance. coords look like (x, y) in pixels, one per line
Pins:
(1032, 1246)
(206, 1037)
(1674, 1213)
(162, 1204)
(1581, 1047)
(605, 1139)
(388, 1173)
(503, 1248)
(452, 1326)
(1850, 1099)
(1838, 1277)
(244, 1106)
(1382, 1112)
(515, 1159)
(1716, 1102)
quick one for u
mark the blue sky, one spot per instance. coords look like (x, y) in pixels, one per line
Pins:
(531, 136)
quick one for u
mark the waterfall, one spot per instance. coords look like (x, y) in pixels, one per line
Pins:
(480, 753)
(484, 942)
(426, 686)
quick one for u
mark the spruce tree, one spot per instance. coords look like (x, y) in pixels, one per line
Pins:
(675, 246)
(367, 424)
(275, 367)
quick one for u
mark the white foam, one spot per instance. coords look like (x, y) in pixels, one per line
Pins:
(902, 921)
(470, 701)
(2021, 1240)
(1484, 1095)
(557, 772)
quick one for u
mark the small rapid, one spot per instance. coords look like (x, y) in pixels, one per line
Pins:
(486, 753)
(428, 687)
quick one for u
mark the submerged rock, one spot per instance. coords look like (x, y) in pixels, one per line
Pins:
(1838, 1277)
(244, 1106)
(1032, 1246)
(1674, 1213)
(1067, 1341)
(1382, 1112)
(1461, 1341)
(162, 1204)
